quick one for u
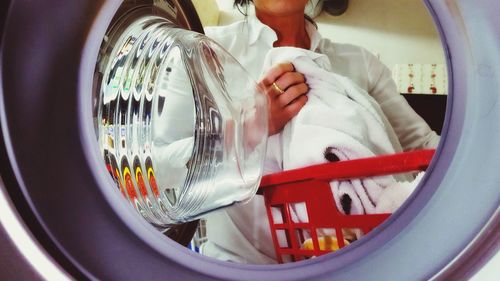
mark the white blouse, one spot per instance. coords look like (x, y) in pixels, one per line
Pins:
(241, 233)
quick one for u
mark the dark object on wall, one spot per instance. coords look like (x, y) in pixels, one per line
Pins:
(335, 7)
(430, 107)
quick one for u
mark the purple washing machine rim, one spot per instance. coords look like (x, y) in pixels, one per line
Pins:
(104, 238)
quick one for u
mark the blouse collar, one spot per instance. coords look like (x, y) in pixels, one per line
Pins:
(260, 31)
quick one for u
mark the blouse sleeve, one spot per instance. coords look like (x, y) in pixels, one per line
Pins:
(413, 132)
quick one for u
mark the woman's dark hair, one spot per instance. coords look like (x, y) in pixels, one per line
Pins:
(242, 3)
(239, 4)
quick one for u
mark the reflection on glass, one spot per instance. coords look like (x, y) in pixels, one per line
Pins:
(178, 138)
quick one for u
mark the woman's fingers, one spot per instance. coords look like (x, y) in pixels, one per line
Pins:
(285, 82)
(285, 107)
(295, 106)
(289, 79)
(286, 91)
(292, 93)
(275, 72)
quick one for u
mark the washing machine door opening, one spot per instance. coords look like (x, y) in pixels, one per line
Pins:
(179, 139)
(60, 170)
(430, 184)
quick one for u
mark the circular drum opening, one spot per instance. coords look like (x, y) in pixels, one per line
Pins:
(152, 128)
(135, 50)
(454, 171)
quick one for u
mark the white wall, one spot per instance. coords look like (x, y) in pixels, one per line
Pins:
(228, 13)
(398, 31)
(208, 11)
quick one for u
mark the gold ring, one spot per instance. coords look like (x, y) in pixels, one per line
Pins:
(278, 88)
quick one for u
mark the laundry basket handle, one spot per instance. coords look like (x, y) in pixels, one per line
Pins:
(417, 160)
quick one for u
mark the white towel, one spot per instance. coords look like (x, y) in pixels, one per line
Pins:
(343, 119)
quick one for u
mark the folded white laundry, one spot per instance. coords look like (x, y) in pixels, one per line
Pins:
(394, 195)
(339, 122)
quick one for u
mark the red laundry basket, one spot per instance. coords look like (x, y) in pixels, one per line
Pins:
(310, 188)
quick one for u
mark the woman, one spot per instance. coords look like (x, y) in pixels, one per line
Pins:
(241, 233)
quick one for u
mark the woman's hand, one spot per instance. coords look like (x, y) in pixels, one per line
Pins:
(285, 89)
